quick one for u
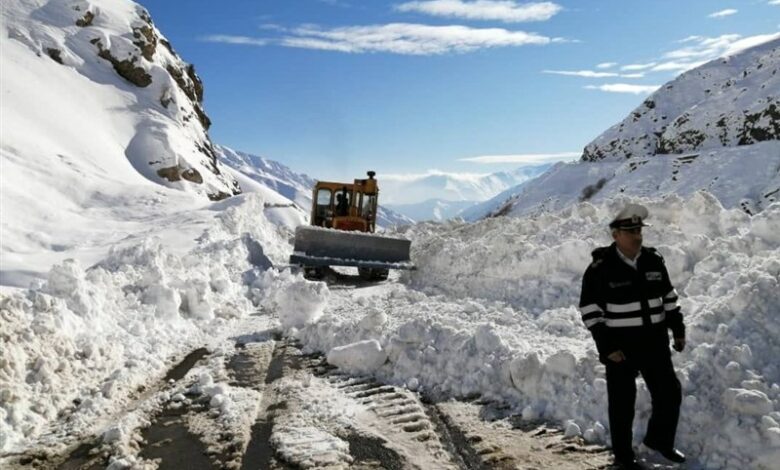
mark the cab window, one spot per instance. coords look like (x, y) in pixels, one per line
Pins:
(323, 208)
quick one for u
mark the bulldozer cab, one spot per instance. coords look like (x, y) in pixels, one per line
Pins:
(350, 207)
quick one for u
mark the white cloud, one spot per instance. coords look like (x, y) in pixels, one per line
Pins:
(774, 2)
(502, 10)
(527, 158)
(632, 67)
(397, 38)
(582, 73)
(411, 39)
(723, 13)
(748, 42)
(624, 88)
(609, 65)
(679, 67)
(700, 50)
(592, 74)
(242, 40)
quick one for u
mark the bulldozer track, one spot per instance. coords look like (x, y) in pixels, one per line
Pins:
(396, 428)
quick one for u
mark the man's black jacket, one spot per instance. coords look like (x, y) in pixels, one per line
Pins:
(629, 309)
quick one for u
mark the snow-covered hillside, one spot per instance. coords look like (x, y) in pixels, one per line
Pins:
(102, 126)
(252, 170)
(747, 177)
(110, 275)
(714, 128)
(730, 101)
(124, 89)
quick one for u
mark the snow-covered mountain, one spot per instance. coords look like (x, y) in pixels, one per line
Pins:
(713, 128)
(432, 209)
(440, 196)
(252, 170)
(412, 189)
(294, 186)
(728, 102)
(103, 136)
(113, 69)
(129, 276)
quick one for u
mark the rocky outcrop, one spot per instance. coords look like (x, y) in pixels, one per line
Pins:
(171, 145)
(732, 101)
(126, 68)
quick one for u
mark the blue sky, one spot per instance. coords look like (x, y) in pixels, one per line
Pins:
(334, 87)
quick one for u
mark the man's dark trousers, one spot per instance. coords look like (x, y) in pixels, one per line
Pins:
(657, 371)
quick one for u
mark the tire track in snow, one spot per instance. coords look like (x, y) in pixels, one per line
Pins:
(88, 454)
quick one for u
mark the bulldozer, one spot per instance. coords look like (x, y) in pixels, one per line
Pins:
(342, 233)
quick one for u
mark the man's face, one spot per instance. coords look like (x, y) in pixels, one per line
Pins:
(629, 241)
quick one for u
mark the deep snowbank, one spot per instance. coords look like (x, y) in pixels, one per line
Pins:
(496, 316)
(80, 342)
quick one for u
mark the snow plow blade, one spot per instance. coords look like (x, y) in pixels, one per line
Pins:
(317, 246)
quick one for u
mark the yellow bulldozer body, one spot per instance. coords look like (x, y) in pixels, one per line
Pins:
(341, 232)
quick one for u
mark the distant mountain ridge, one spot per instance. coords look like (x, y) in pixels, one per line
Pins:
(297, 187)
(399, 190)
(442, 196)
(432, 209)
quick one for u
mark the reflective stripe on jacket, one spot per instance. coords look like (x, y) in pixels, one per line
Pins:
(618, 301)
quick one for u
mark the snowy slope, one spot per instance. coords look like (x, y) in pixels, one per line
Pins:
(294, 186)
(252, 170)
(112, 266)
(494, 204)
(730, 101)
(747, 177)
(154, 115)
(87, 156)
(714, 128)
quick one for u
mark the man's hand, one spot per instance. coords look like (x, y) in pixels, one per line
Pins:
(679, 344)
(617, 356)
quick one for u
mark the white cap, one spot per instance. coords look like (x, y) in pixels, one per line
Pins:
(631, 216)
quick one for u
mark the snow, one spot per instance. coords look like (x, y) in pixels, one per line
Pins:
(109, 277)
(362, 357)
(746, 177)
(491, 312)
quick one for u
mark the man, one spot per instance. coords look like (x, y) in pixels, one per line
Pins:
(342, 202)
(628, 303)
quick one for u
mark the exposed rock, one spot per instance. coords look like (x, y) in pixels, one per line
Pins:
(86, 20)
(192, 175)
(146, 41)
(177, 173)
(192, 86)
(126, 68)
(55, 54)
(218, 196)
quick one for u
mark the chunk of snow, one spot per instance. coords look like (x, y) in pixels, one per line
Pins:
(361, 357)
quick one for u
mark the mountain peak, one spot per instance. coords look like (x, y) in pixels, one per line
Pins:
(728, 102)
(155, 116)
